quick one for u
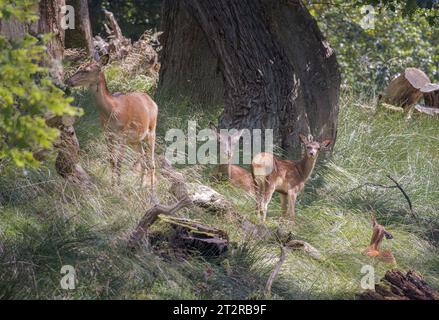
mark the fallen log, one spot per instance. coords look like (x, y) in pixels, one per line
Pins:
(150, 217)
(192, 235)
(427, 110)
(399, 286)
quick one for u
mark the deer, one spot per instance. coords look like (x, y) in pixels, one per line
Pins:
(373, 250)
(286, 177)
(127, 119)
(237, 175)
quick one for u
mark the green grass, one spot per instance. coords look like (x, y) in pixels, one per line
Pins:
(46, 222)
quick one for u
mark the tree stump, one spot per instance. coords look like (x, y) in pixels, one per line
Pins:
(431, 99)
(399, 286)
(407, 88)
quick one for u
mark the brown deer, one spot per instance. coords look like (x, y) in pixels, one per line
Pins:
(237, 175)
(373, 250)
(127, 118)
(284, 176)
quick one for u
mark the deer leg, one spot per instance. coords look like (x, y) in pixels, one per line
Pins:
(268, 194)
(120, 156)
(291, 212)
(109, 137)
(259, 193)
(151, 145)
(284, 203)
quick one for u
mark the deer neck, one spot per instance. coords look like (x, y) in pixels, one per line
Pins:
(306, 166)
(103, 98)
(226, 169)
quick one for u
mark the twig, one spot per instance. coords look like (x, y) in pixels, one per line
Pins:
(405, 196)
(396, 185)
(282, 256)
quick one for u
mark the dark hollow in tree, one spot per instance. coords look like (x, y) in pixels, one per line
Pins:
(265, 61)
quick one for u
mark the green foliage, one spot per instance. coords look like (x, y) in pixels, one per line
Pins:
(27, 94)
(369, 58)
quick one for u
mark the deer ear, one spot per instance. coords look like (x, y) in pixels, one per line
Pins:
(303, 138)
(325, 143)
(104, 59)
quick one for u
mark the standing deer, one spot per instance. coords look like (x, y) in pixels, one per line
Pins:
(284, 176)
(128, 118)
(237, 175)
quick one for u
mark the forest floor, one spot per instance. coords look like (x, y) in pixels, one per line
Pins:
(46, 222)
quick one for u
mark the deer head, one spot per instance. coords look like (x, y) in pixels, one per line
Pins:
(227, 141)
(88, 73)
(312, 147)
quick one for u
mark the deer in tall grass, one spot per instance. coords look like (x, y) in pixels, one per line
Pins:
(237, 175)
(127, 118)
(284, 176)
(373, 250)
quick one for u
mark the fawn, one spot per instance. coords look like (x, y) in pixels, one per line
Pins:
(128, 118)
(373, 250)
(237, 175)
(284, 176)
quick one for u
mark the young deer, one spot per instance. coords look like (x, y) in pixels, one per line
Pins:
(284, 176)
(373, 250)
(128, 118)
(237, 175)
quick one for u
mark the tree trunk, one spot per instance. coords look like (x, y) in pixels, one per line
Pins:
(50, 22)
(266, 61)
(81, 36)
(66, 164)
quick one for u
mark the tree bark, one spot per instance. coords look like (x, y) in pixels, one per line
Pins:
(67, 161)
(432, 99)
(266, 61)
(81, 36)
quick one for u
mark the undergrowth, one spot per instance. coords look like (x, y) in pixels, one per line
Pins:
(46, 222)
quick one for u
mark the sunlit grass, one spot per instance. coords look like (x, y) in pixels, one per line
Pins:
(46, 222)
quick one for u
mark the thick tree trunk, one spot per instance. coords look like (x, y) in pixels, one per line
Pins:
(266, 61)
(67, 161)
(50, 22)
(81, 36)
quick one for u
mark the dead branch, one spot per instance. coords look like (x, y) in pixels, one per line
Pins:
(305, 247)
(396, 185)
(277, 267)
(151, 216)
(405, 196)
(116, 44)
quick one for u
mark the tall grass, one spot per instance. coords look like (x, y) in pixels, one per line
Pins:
(46, 222)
